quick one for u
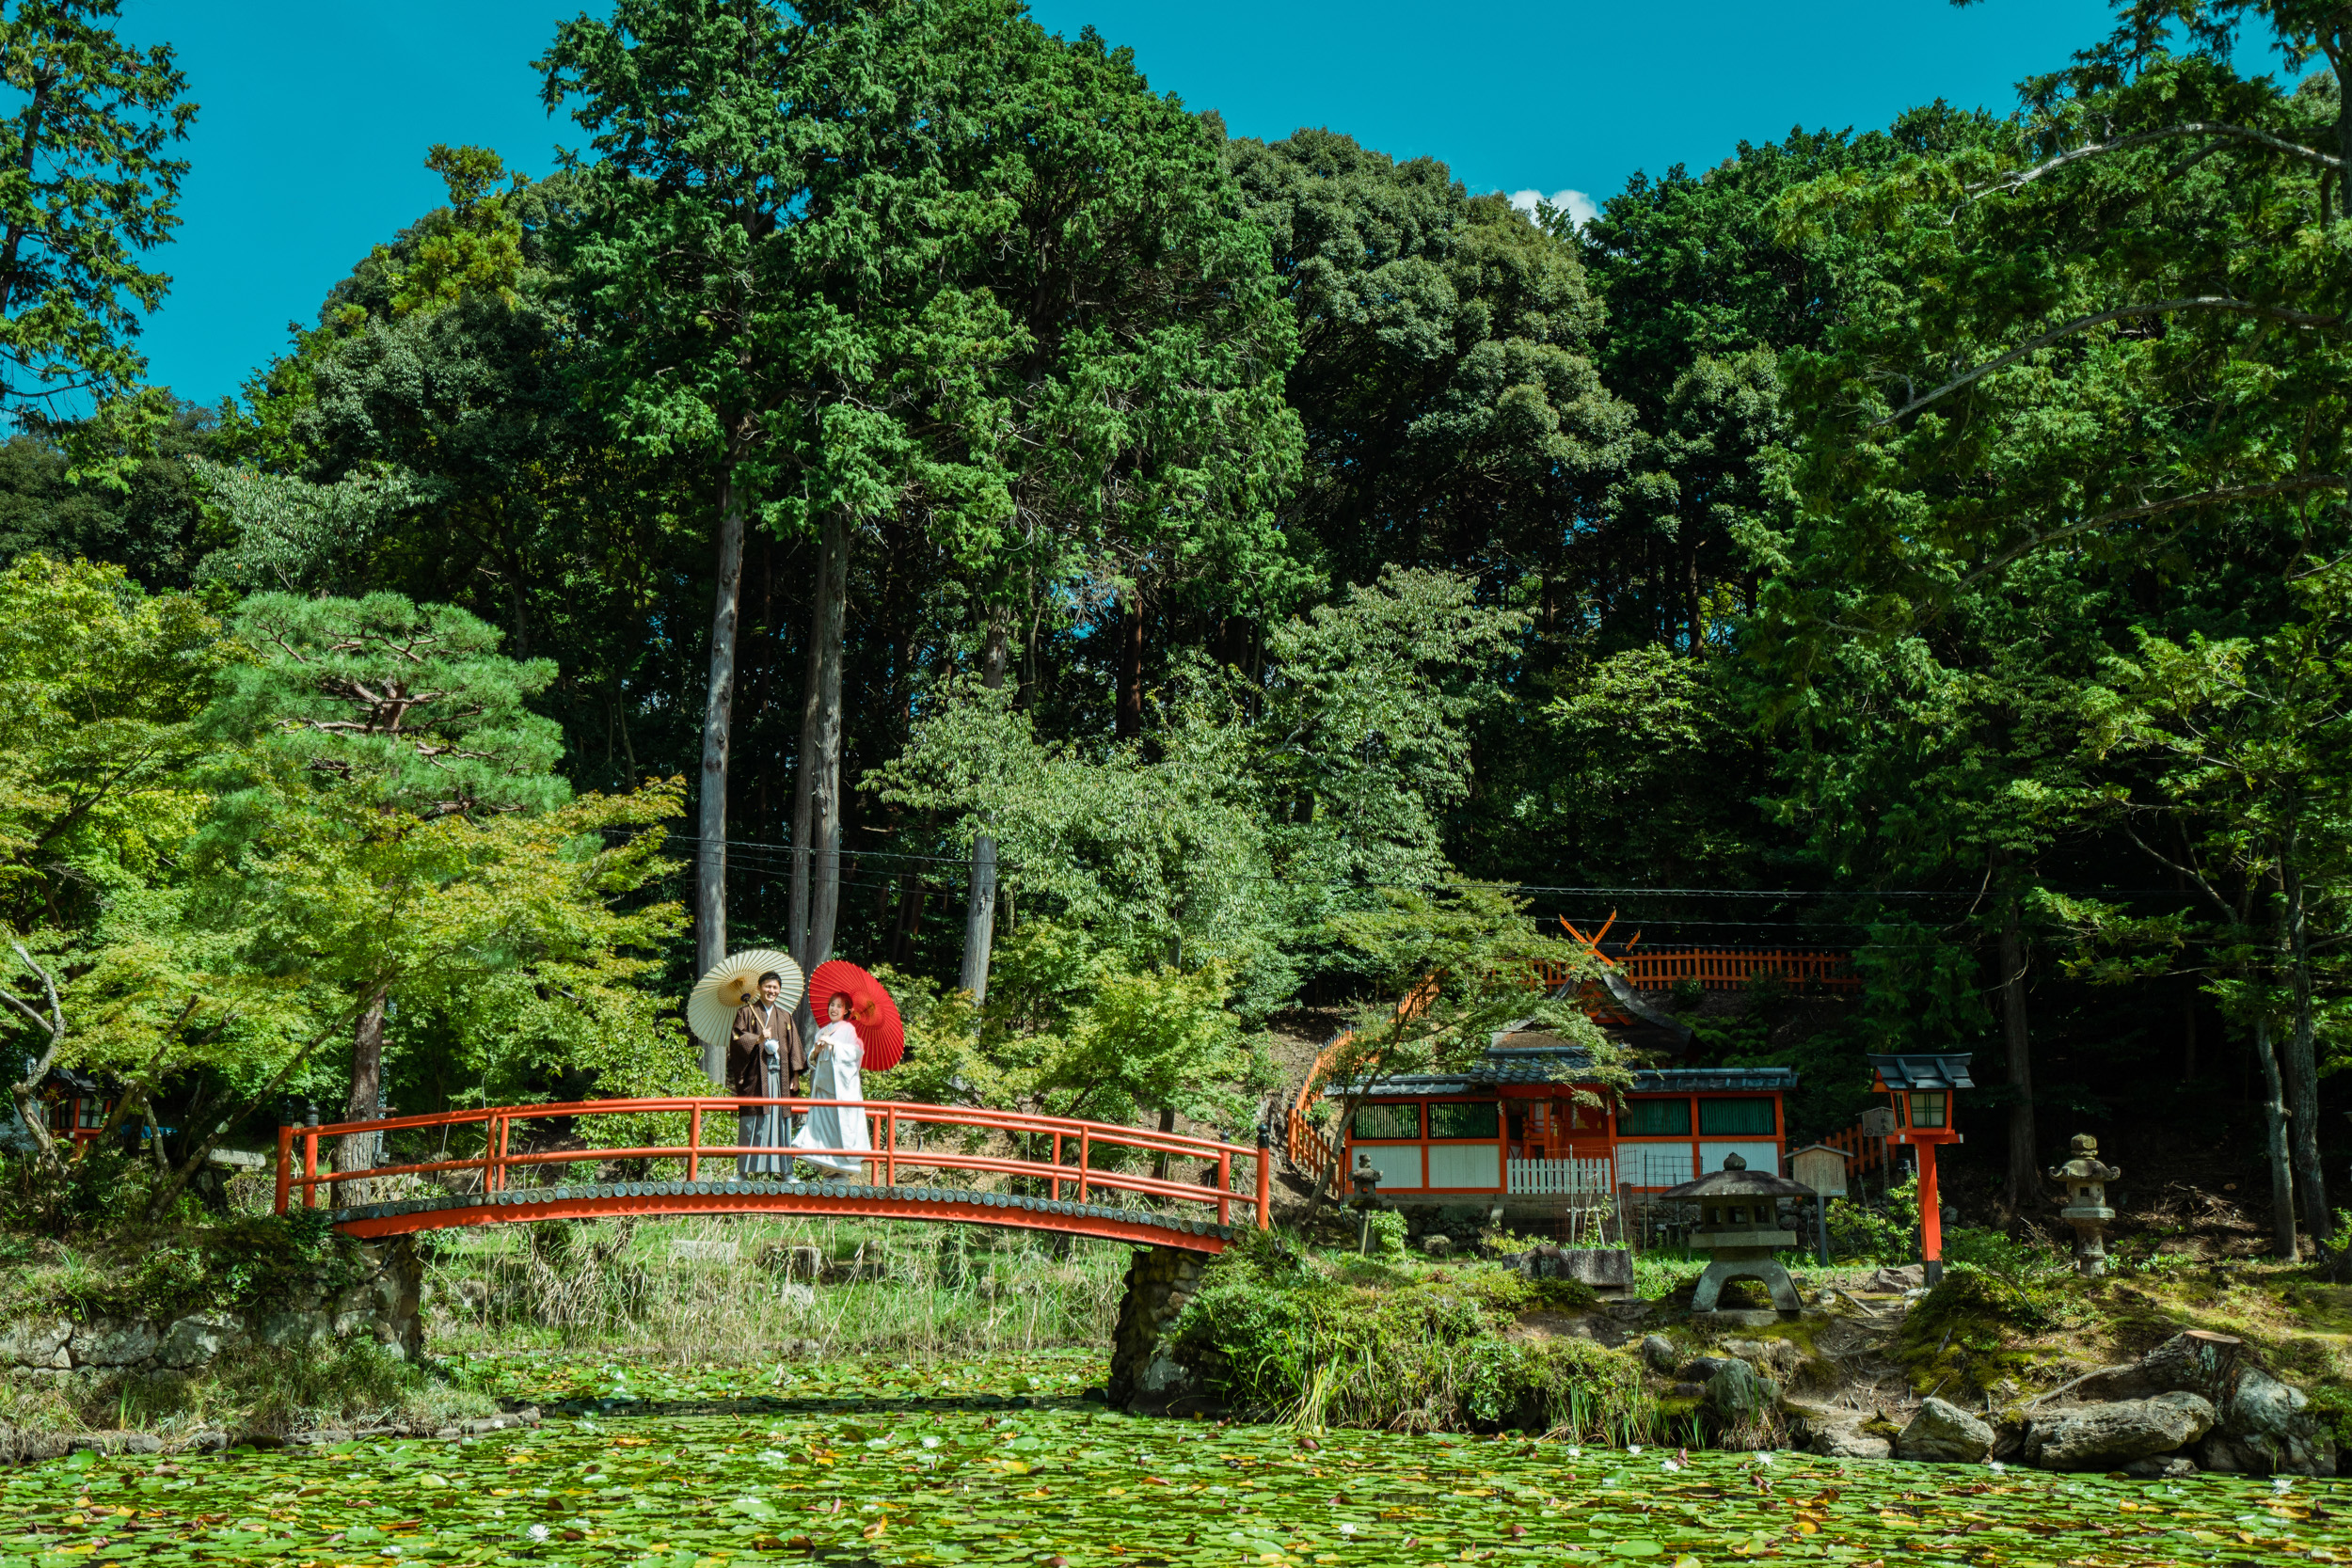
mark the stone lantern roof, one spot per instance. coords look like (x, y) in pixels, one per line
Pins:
(1735, 1180)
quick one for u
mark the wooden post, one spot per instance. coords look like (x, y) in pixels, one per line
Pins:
(695, 1144)
(1224, 1185)
(1266, 1162)
(1056, 1179)
(1083, 1149)
(1931, 1215)
(310, 1167)
(890, 1148)
(285, 1166)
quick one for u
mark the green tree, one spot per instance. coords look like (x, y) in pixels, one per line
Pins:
(98, 684)
(89, 189)
(2250, 741)
(1450, 968)
(402, 715)
(705, 119)
(2093, 373)
(1453, 414)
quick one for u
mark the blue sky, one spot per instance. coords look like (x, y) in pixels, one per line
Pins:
(315, 116)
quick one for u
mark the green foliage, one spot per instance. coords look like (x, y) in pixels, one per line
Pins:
(1448, 969)
(412, 706)
(112, 1269)
(98, 684)
(1888, 1233)
(1430, 1357)
(1068, 1030)
(89, 121)
(1445, 333)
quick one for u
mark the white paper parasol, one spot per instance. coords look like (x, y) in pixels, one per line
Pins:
(732, 982)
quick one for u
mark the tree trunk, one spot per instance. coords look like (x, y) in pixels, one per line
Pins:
(2024, 1176)
(2189, 1034)
(2302, 1067)
(816, 797)
(1694, 602)
(710, 856)
(979, 910)
(1159, 1162)
(356, 1150)
(912, 896)
(1130, 716)
(2275, 1137)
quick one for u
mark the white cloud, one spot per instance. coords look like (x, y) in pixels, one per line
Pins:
(1578, 206)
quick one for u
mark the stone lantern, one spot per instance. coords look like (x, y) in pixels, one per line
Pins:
(2087, 1208)
(1739, 1222)
(1366, 1180)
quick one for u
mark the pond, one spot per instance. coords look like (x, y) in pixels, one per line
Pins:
(1009, 1463)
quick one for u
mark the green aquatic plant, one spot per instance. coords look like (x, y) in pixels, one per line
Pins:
(999, 1461)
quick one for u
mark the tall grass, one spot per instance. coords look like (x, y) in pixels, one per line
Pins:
(664, 1290)
(1311, 1342)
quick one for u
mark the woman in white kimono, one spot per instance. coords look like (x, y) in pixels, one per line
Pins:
(834, 1073)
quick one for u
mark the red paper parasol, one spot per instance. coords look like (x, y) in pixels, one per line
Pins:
(870, 1009)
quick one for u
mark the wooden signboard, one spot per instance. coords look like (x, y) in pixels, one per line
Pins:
(1820, 1167)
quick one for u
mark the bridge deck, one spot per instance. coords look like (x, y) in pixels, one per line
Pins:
(608, 1199)
(1051, 1155)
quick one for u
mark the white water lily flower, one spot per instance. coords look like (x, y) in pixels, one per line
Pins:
(1995, 1467)
(537, 1532)
(1633, 1448)
(2282, 1485)
(1347, 1529)
(1764, 1458)
(930, 1442)
(1670, 1467)
(1576, 1454)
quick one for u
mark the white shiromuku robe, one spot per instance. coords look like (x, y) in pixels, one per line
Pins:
(835, 1072)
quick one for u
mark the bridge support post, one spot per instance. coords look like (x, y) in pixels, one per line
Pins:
(1143, 1375)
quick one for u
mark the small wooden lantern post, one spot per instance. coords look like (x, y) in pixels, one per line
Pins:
(1921, 1091)
(1824, 1169)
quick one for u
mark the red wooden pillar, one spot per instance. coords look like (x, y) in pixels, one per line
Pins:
(1931, 1215)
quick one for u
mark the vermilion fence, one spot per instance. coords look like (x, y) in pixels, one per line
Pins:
(1070, 1166)
(1719, 969)
(1305, 1147)
(1868, 1149)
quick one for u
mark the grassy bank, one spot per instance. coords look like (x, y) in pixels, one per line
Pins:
(1318, 1340)
(744, 1289)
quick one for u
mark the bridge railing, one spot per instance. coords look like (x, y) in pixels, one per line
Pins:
(1074, 1145)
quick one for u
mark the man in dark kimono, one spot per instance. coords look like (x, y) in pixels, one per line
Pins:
(765, 1059)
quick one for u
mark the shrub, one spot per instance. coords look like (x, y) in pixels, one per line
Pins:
(1280, 1340)
(1868, 1235)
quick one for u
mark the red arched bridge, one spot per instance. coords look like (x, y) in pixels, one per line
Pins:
(1079, 1184)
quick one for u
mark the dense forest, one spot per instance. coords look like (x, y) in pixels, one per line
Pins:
(912, 490)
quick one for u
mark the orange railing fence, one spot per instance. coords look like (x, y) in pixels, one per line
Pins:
(1074, 1145)
(1307, 1149)
(1868, 1149)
